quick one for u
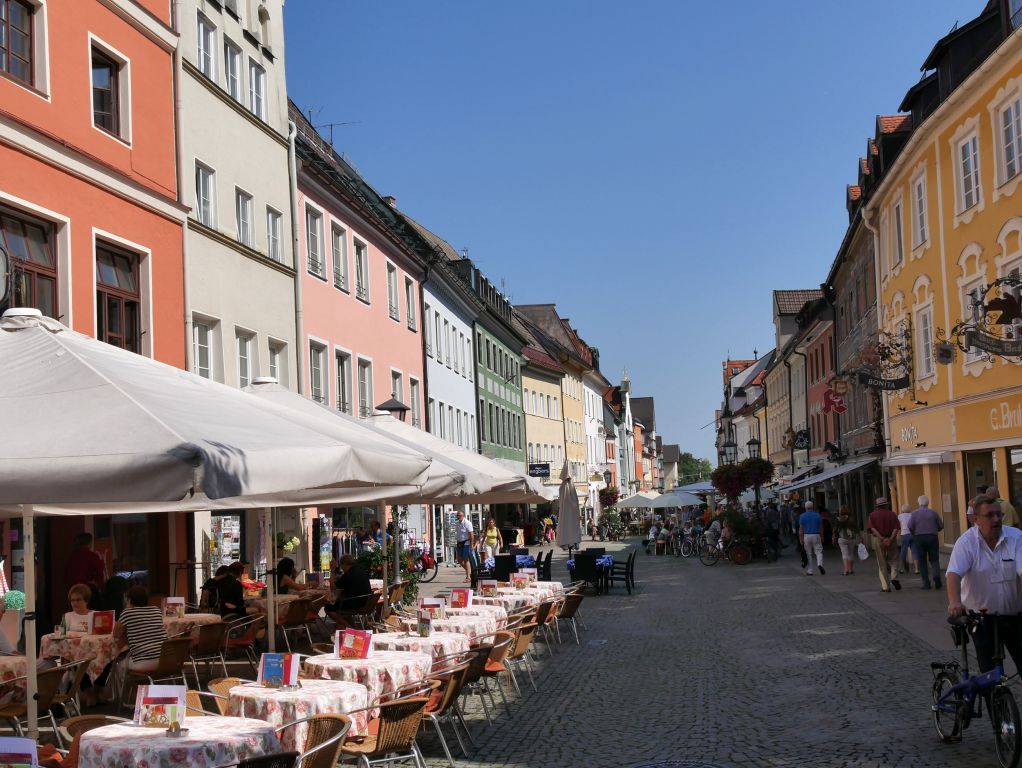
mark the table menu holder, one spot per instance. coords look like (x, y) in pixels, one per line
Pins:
(353, 644)
(488, 587)
(279, 670)
(461, 597)
(174, 607)
(160, 706)
(16, 752)
(425, 623)
(519, 580)
(435, 605)
(101, 622)
(532, 573)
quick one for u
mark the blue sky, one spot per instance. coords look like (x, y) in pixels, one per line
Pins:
(654, 168)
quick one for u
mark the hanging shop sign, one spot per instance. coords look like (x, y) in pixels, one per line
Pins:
(801, 441)
(994, 325)
(888, 385)
(995, 345)
(834, 397)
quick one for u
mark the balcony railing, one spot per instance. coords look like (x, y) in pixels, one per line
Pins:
(340, 280)
(361, 292)
(343, 406)
(411, 323)
(394, 313)
(364, 411)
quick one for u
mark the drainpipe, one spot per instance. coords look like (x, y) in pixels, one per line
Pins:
(178, 109)
(866, 220)
(292, 168)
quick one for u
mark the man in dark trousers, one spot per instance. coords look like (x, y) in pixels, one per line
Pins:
(353, 590)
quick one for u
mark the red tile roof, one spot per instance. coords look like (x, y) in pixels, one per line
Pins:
(541, 358)
(854, 191)
(863, 166)
(791, 302)
(894, 123)
(873, 148)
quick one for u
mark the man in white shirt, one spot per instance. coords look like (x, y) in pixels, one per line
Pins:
(465, 537)
(984, 574)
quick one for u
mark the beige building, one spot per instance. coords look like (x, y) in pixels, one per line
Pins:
(541, 401)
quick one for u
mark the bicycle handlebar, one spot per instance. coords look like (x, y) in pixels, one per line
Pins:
(976, 617)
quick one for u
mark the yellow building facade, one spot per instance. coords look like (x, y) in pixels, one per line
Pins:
(947, 221)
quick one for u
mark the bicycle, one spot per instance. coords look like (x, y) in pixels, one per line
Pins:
(737, 553)
(425, 565)
(958, 696)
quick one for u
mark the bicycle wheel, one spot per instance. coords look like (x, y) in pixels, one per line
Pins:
(741, 554)
(428, 574)
(947, 707)
(687, 548)
(1007, 729)
(709, 554)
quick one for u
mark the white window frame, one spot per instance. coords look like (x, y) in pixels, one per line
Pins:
(397, 384)
(319, 387)
(314, 242)
(205, 200)
(343, 375)
(245, 356)
(428, 331)
(207, 372)
(966, 137)
(414, 396)
(277, 357)
(1007, 149)
(124, 112)
(365, 388)
(274, 222)
(362, 287)
(339, 254)
(925, 364)
(920, 219)
(257, 89)
(410, 313)
(206, 49)
(234, 77)
(243, 211)
(393, 306)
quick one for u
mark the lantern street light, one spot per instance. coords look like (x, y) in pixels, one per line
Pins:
(730, 451)
(395, 408)
(755, 447)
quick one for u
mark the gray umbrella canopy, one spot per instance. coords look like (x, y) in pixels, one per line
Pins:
(569, 526)
(675, 498)
(638, 500)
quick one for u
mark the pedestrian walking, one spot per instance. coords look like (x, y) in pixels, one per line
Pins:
(884, 526)
(464, 535)
(925, 525)
(846, 535)
(908, 546)
(810, 527)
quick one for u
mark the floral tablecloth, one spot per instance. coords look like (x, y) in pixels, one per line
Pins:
(511, 602)
(605, 561)
(258, 604)
(438, 643)
(100, 650)
(10, 668)
(545, 590)
(383, 672)
(521, 561)
(210, 742)
(315, 697)
(176, 624)
(473, 626)
(496, 612)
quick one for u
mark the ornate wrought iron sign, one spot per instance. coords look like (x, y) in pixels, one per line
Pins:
(994, 327)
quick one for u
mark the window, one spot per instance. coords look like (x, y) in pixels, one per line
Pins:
(361, 271)
(461, 353)
(440, 420)
(1011, 133)
(897, 248)
(105, 107)
(257, 90)
(450, 423)
(273, 221)
(919, 233)
(392, 306)
(243, 210)
(32, 244)
(314, 242)
(438, 338)
(431, 413)
(924, 342)
(343, 382)
(468, 360)
(549, 407)
(205, 54)
(968, 172)
(527, 401)
(472, 431)
(339, 249)
(16, 40)
(482, 420)
(461, 434)
(410, 302)
(454, 343)
(278, 361)
(535, 409)
(489, 359)
(365, 388)
(413, 395)
(447, 343)
(479, 348)
(243, 345)
(205, 195)
(397, 386)
(118, 303)
(317, 383)
(493, 434)
(232, 69)
(428, 331)
(468, 432)
(202, 363)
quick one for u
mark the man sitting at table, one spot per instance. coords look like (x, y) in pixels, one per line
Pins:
(353, 590)
(232, 596)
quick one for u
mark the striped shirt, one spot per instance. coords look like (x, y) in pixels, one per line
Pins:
(145, 632)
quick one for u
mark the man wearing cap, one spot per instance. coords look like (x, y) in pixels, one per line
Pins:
(883, 524)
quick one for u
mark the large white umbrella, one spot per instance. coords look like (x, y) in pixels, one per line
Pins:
(638, 500)
(675, 498)
(569, 527)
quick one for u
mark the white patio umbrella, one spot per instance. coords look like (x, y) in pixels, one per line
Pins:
(638, 500)
(569, 527)
(84, 421)
(675, 498)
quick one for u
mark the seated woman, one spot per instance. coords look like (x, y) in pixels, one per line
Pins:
(77, 619)
(286, 577)
(141, 627)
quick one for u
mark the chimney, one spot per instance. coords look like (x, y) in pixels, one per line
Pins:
(390, 200)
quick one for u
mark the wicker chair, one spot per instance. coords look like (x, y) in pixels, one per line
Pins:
(394, 738)
(72, 729)
(16, 712)
(443, 707)
(323, 742)
(496, 665)
(520, 654)
(323, 647)
(220, 687)
(544, 615)
(294, 621)
(363, 616)
(171, 666)
(569, 612)
(70, 698)
(472, 684)
(209, 648)
(276, 760)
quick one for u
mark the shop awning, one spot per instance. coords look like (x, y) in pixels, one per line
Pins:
(827, 475)
(915, 459)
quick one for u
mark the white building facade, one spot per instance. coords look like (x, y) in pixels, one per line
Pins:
(593, 387)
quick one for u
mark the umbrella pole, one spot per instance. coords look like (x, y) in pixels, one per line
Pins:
(381, 515)
(31, 692)
(397, 545)
(271, 587)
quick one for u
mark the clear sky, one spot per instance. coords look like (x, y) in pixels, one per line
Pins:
(653, 168)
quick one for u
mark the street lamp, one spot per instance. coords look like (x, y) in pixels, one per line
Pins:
(755, 447)
(607, 477)
(395, 408)
(730, 451)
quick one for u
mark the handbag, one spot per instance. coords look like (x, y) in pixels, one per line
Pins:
(863, 552)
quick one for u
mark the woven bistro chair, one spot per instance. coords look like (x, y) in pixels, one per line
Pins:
(496, 665)
(544, 615)
(69, 700)
(276, 760)
(569, 611)
(209, 648)
(16, 712)
(73, 728)
(295, 621)
(323, 742)
(394, 737)
(520, 654)
(221, 687)
(363, 616)
(472, 684)
(443, 706)
(171, 666)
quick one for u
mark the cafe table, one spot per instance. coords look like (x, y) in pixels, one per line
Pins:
(258, 604)
(383, 672)
(511, 602)
(100, 650)
(210, 742)
(12, 667)
(474, 627)
(439, 644)
(177, 624)
(497, 612)
(278, 706)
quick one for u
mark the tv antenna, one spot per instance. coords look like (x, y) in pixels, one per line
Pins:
(332, 125)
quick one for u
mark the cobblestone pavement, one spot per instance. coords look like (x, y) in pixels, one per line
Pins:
(727, 666)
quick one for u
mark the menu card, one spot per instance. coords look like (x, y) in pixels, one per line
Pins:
(519, 580)
(160, 706)
(174, 607)
(532, 573)
(353, 644)
(16, 752)
(277, 669)
(435, 606)
(461, 598)
(101, 622)
(425, 623)
(488, 587)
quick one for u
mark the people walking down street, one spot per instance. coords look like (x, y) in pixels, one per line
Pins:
(846, 535)
(925, 525)
(464, 535)
(908, 546)
(810, 528)
(772, 526)
(883, 525)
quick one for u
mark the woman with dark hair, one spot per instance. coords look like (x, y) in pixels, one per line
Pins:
(286, 577)
(141, 627)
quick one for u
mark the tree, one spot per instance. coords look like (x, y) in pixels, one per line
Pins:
(691, 469)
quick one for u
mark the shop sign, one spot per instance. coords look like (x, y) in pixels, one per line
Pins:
(991, 419)
(539, 470)
(834, 397)
(995, 345)
(801, 441)
(888, 385)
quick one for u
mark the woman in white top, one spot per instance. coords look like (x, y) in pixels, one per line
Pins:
(907, 546)
(77, 619)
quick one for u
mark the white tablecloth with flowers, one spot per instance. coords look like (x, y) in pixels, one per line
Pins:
(510, 602)
(10, 668)
(383, 672)
(376, 584)
(473, 626)
(316, 697)
(100, 650)
(496, 612)
(210, 742)
(177, 624)
(547, 589)
(440, 644)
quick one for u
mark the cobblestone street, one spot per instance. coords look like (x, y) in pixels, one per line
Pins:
(732, 666)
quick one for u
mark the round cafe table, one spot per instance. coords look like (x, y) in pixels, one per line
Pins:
(511, 603)
(177, 624)
(439, 644)
(383, 672)
(472, 626)
(210, 742)
(100, 650)
(496, 612)
(12, 667)
(546, 589)
(315, 697)
(258, 604)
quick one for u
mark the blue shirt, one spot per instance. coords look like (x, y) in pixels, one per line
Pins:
(809, 521)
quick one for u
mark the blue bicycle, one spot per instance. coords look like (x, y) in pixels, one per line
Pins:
(958, 696)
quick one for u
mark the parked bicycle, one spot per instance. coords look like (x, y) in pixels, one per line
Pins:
(733, 550)
(425, 565)
(958, 697)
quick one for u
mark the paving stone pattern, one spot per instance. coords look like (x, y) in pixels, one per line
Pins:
(727, 666)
